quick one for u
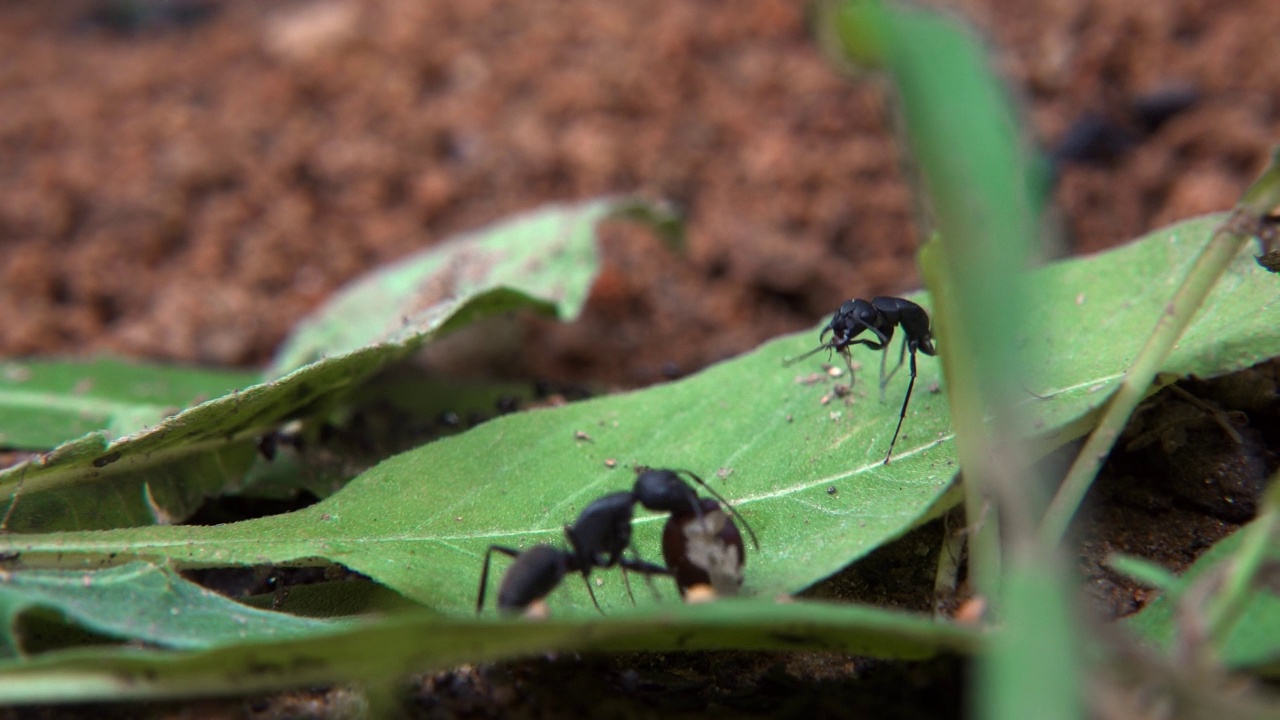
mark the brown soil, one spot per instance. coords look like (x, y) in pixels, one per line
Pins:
(183, 180)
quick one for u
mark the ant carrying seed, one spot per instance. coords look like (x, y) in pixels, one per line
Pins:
(599, 538)
(882, 315)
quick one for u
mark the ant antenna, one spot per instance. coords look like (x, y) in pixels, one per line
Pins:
(720, 498)
(792, 361)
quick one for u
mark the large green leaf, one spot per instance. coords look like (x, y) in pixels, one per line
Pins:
(419, 521)
(806, 474)
(545, 260)
(44, 403)
(140, 602)
(378, 650)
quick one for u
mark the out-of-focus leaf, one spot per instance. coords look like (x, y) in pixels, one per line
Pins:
(378, 650)
(545, 260)
(142, 602)
(398, 409)
(44, 403)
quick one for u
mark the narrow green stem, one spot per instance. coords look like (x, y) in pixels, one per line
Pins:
(982, 521)
(1245, 222)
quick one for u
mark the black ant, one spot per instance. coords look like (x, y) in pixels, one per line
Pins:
(881, 316)
(598, 539)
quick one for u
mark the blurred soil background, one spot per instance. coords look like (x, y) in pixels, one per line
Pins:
(183, 180)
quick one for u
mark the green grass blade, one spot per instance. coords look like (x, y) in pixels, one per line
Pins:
(1033, 668)
(385, 648)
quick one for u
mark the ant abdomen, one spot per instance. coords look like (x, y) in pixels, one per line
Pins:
(534, 574)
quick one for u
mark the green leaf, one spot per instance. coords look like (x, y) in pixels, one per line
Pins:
(140, 602)
(545, 259)
(420, 522)
(44, 403)
(385, 648)
(155, 476)
(404, 407)
(1092, 314)
(1254, 641)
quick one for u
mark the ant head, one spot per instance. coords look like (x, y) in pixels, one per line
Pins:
(850, 320)
(664, 491)
(925, 345)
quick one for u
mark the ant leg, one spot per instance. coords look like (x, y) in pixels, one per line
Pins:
(903, 414)
(648, 570)
(585, 561)
(484, 572)
(643, 567)
(792, 361)
(626, 582)
(884, 379)
(586, 579)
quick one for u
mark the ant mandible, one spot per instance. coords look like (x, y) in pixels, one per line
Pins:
(598, 539)
(881, 316)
